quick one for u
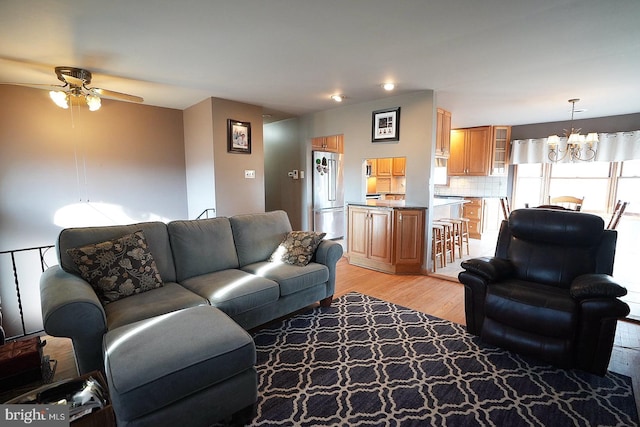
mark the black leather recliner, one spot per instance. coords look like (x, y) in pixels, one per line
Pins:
(548, 291)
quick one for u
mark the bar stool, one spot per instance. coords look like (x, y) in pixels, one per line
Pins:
(437, 246)
(449, 242)
(460, 232)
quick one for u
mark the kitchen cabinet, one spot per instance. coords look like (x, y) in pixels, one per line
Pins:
(501, 143)
(384, 167)
(370, 234)
(386, 239)
(473, 211)
(443, 133)
(470, 152)
(398, 166)
(479, 151)
(333, 143)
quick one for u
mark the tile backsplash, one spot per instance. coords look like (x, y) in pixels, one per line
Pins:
(475, 186)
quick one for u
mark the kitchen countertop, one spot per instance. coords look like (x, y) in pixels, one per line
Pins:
(395, 204)
(445, 201)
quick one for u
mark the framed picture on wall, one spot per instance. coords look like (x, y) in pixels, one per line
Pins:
(238, 137)
(385, 125)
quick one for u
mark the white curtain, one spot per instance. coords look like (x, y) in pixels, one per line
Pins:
(612, 147)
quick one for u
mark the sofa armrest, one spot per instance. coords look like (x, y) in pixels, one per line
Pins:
(491, 269)
(71, 308)
(329, 253)
(596, 286)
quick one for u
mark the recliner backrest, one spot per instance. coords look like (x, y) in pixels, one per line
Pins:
(554, 247)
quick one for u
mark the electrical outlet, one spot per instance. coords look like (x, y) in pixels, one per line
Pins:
(249, 174)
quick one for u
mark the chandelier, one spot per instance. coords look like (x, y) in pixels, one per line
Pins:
(579, 147)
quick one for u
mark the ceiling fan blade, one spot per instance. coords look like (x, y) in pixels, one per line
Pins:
(36, 85)
(117, 95)
(73, 81)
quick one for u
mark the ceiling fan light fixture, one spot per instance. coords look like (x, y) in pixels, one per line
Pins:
(388, 86)
(60, 98)
(93, 102)
(338, 97)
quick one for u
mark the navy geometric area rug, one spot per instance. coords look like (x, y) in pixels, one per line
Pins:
(367, 362)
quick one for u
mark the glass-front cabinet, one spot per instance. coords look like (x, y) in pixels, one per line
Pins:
(501, 145)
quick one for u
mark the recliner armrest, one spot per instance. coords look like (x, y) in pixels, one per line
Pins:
(595, 286)
(492, 269)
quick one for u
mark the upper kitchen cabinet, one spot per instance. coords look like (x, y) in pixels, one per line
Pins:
(333, 143)
(500, 145)
(443, 133)
(479, 151)
(384, 166)
(398, 166)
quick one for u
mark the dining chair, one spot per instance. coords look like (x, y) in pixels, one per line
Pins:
(569, 202)
(506, 208)
(617, 214)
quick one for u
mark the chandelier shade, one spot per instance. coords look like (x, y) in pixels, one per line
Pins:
(578, 147)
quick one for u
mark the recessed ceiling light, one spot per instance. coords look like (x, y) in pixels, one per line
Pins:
(388, 86)
(338, 98)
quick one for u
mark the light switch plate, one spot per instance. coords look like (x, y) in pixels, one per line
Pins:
(249, 174)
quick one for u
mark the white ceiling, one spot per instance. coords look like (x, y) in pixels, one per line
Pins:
(491, 61)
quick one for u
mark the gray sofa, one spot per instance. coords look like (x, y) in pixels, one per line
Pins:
(222, 262)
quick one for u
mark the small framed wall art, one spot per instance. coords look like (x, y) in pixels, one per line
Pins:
(385, 125)
(238, 137)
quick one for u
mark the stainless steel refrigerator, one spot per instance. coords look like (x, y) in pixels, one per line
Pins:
(328, 194)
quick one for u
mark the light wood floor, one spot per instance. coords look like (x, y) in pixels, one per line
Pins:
(428, 294)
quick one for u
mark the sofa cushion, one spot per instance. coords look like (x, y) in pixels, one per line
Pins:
(170, 297)
(532, 307)
(291, 278)
(154, 232)
(118, 268)
(234, 291)
(298, 247)
(202, 246)
(256, 236)
(157, 362)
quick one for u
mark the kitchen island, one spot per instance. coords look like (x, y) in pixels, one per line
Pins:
(386, 235)
(447, 207)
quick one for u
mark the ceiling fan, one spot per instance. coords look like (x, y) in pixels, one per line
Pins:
(76, 81)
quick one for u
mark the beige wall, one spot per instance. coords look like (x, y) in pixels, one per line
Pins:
(198, 148)
(130, 168)
(234, 193)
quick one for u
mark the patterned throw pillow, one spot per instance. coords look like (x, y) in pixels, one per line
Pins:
(298, 247)
(118, 268)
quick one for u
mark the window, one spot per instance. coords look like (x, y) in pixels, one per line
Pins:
(600, 183)
(628, 183)
(589, 180)
(529, 185)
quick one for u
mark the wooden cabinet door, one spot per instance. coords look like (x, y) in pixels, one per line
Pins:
(334, 143)
(384, 167)
(380, 222)
(500, 145)
(443, 133)
(456, 164)
(409, 236)
(318, 143)
(358, 231)
(398, 166)
(478, 151)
